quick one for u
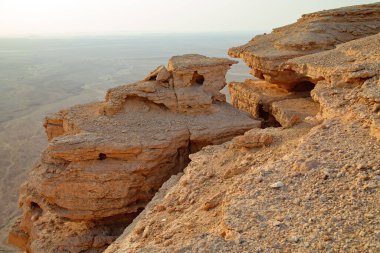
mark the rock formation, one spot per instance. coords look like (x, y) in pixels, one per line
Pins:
(313, 33)
(312, 185)
(304, 179)
(106, 160)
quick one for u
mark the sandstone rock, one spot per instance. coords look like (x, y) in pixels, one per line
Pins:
(312, 33)
(106, 160)
(163, 76)
(252, 139)
(17, 236)
(197, 81)
(205, 75)
(277, 185)
(257, 96)
(348, 80)
(152, 76)
(348, 62)
(251, 208)
(319, 196)
(213, 202)
(292, 111)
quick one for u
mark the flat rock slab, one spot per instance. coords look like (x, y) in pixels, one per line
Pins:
(292, 111)
(253, 95)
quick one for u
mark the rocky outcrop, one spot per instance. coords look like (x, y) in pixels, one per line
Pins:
(348, 80)
(313, 33)
(264, 101)
(309, 190)
(309, 181)
(311, 185)
(106, 160)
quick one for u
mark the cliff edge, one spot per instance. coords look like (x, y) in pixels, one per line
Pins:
(166, 165)
(106, 160)
(308, 181)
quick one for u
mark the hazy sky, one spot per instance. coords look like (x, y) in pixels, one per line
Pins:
(73, 17)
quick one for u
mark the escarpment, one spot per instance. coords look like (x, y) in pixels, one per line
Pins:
(106, 160)
(312, 33)
(309, 179)
(159, 160)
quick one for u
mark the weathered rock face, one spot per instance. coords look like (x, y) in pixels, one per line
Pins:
(310, 189)
(312, 33)
(349, 85)
(312, 185)
(265, 101)
(106, 160)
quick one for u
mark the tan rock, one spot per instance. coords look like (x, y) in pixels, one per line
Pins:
(159, 74)
(311, 178)
(349, 79)
(255, 193)
(163, 76)
(252, 139)
(197, 81)
(106, 160)
(312, 33)
(205, 76)
(257, 96)
(293, 111)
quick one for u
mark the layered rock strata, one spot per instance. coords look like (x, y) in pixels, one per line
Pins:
(106, 160)
(312, 186)
(312, 33)
(263, 100)
(274, 57)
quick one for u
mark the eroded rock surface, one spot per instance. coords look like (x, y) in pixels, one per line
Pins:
(347, 80)
(312, 33)
(106, 160)
(312, 185)
(309, 190)
(262, 99)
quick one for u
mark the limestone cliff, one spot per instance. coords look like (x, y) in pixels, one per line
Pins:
(312, 33)
(106, 160)
(309, 181)
(303, 176)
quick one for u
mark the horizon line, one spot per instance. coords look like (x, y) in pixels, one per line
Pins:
(120, 34)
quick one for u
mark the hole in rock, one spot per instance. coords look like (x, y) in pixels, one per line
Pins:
(304, 87)
(36, 210)
(34, 206)
(116, 224)
(197, 79)
(102, 156)
(268, 120)
(136, 103)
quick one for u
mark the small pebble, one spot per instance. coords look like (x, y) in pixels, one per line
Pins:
(277, 185)
(294, 239)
